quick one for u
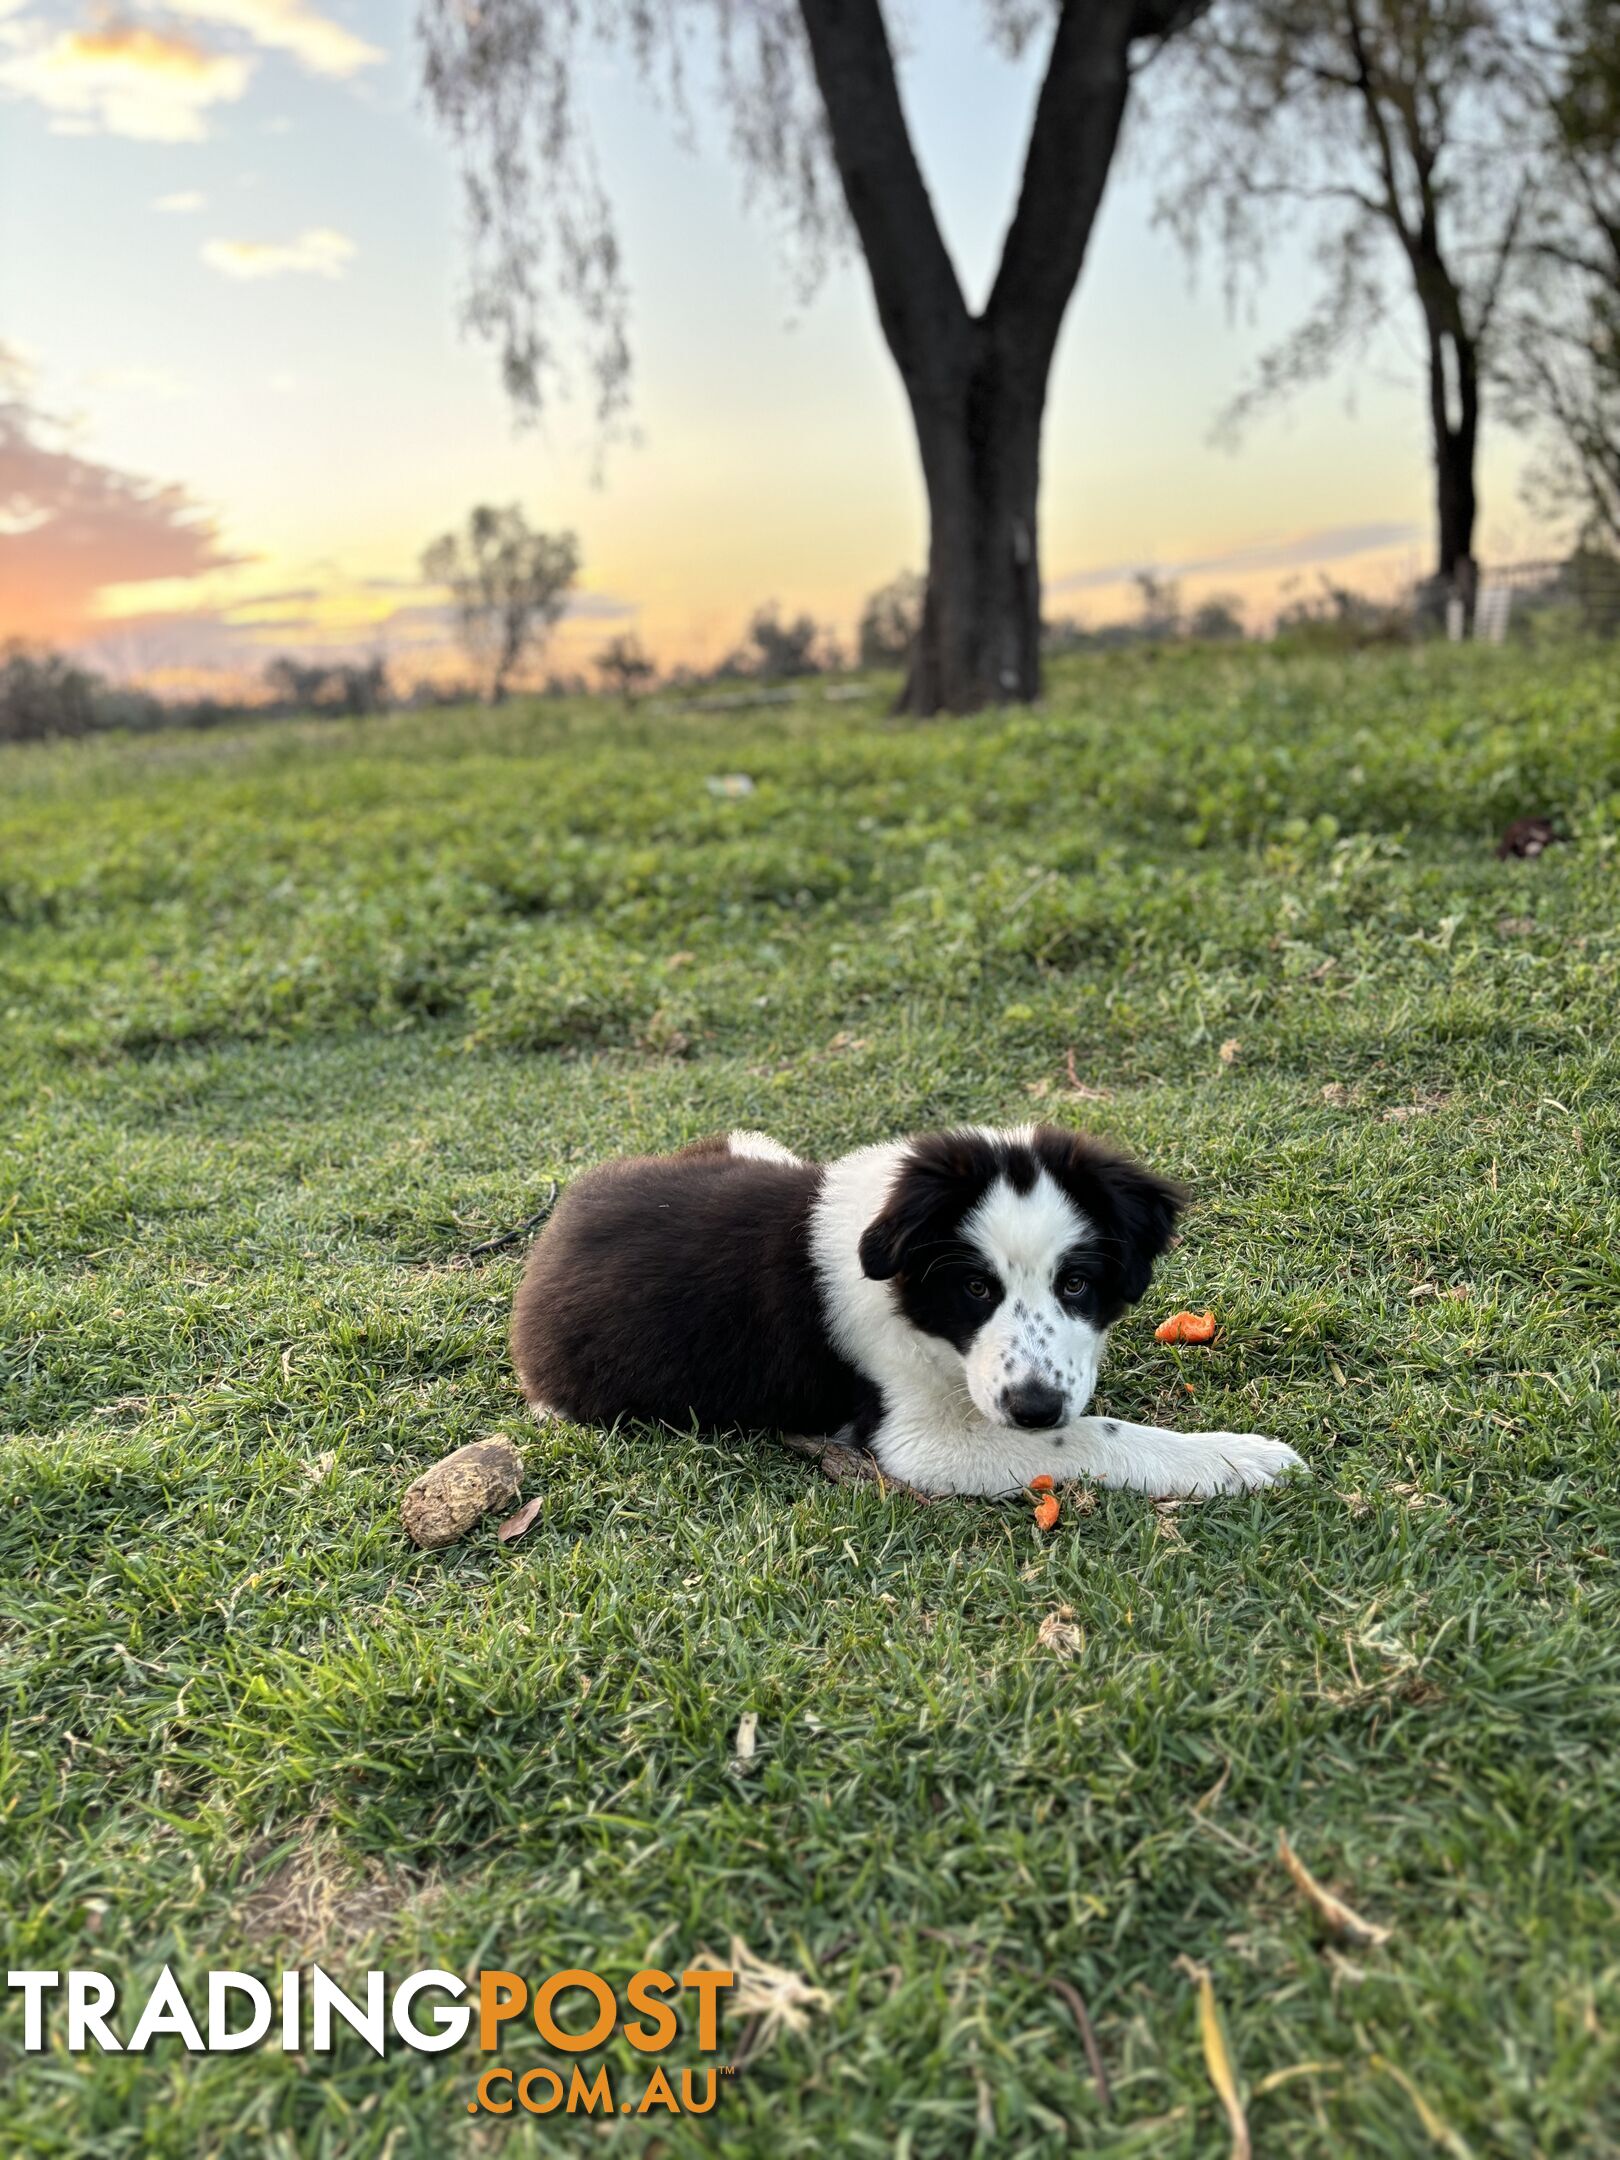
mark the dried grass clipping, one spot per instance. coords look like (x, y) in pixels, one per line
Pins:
(1058, 1633)
(1338, 1917)
(1217, 2059)
(780, 1999)
(745, 1744)
(1435, 2125)
(319, 1901)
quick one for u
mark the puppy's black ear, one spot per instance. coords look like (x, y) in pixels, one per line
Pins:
(906, 1215)
(881, 1248)
(1133, 1208)
(1144, 1207)
(935, 1185)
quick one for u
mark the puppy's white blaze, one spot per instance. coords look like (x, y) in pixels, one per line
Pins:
(1027, 1233)
(758, 1147)
(1009, 1135)
(1031, 1336)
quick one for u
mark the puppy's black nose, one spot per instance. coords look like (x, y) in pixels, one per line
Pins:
(1035, 1405)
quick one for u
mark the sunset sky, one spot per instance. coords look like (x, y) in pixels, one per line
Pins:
(236, 401)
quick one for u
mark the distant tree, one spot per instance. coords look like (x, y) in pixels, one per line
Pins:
(1160, 602)
(814, 112)
(1560, 359)
(1337, 619)
(293, 683)
(44, 694)
(780, 651)
(1064, 634)
(342, 687)
(1406, 132)
(509, 584)
(431, 693)
(890, 622)
(1591, 577)
(1217, 620)
(623, 666)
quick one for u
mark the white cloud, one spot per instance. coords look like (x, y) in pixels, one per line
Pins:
(141, 382)
(319, 253)
(121, 79)
(290, 26)
(186, 199)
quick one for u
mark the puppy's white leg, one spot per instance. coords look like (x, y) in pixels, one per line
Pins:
(1172, 1465)
(928, 1447)
(925, 1446)
(759, 1147)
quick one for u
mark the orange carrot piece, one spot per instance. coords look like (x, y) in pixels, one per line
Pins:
(1046, 1514)
(1189, 1327)
(1043, 1483)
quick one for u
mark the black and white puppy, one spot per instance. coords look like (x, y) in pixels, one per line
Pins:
(944, 1301)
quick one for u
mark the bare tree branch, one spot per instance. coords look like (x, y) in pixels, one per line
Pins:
(1077, 121)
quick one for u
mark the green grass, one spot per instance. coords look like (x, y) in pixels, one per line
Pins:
(296, 1015)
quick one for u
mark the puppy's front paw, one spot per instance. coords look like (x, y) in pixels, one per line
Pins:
(1243, 1462)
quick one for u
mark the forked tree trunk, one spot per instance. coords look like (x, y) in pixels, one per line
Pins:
(977, 383)
(980, 638)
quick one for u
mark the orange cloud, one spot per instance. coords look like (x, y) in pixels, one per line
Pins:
(121, 78)
(71, 528)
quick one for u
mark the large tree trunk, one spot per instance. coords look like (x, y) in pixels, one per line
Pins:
(977, 383)
(980, 638)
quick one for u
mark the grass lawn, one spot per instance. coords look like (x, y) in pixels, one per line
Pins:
(294, 1016)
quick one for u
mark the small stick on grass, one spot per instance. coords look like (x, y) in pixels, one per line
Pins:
(520, 1231)
(846, 1465)
(1059, 1986)
(1082, 2018)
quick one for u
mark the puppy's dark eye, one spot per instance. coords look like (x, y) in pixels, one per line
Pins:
(1072, 1284)
(976, 1287)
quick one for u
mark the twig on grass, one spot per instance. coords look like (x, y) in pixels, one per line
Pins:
(1061, 1987)
(846, 1465)
(1077, 1086)
(519, 1232)
(1088, 2038)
